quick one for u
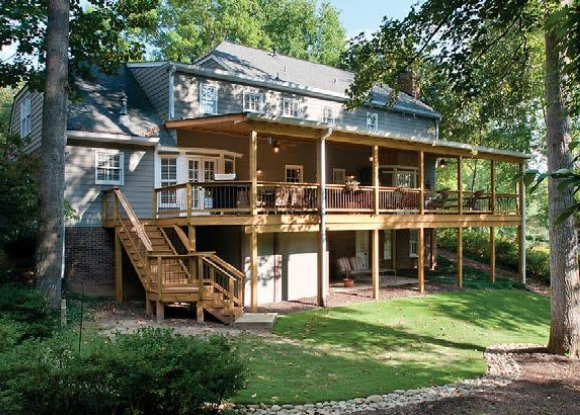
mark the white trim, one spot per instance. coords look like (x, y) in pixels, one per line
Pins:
(198, 150)
(137, 65)
(171, 91)
(112, 138)
(325, 118)
(216, 89)
(215, 59)
(110, 152)
(247, 93)
(292, 101)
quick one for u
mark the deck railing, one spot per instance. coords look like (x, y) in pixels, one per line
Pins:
(233, 198)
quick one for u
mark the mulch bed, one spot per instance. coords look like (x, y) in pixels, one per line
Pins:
(549, 385)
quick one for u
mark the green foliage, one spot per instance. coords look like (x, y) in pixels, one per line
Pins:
(476, 246)
(302, 29)
(150, 372)
(6, 97)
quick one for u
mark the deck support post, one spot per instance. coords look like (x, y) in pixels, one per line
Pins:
(254, 173)
(394, 249)
(522, 227)
(160, 311)
(421, 179)
(432, 257)
(148, 308)
(253, 272)
(118, 268)
(492, 271)
(376, 183)
(375, 263)
(322, 259)
(200, 290)
(460, 257)
(191, 236)
(421, 258)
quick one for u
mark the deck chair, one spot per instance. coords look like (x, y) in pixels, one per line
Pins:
(471, 203)
(297, 197)
(282, 198)
(439, 202)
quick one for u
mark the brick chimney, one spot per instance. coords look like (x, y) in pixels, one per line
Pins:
(410, 84)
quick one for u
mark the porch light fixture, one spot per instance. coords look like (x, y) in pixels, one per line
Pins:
(259, 171)
(276, 147)
(371, 158)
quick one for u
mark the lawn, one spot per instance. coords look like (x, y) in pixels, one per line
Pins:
(377, 347)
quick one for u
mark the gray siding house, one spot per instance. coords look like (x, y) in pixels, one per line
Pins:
(252, 118)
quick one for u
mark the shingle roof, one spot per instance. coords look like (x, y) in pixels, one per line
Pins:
(275, 67)
(100, 103)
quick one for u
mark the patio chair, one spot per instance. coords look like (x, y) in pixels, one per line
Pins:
(471, 203)
(344, 267)
(439, 202)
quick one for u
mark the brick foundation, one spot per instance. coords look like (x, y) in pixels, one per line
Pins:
(90, 261)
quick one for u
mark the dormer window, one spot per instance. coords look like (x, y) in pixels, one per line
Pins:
(208, 99)
(372, 121)
(25, 117)
(291, 108)
(328, 115)
(253, 102)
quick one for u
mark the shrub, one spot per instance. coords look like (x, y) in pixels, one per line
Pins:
(150, 372)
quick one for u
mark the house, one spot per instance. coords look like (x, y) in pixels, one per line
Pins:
(242, 179)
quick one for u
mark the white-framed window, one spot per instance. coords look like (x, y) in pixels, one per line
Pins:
(229, 166)
(294, 173)
(372, 121)
(168, 176)
(291, 108)
(338, 176)
(253, 102)
(328, 115)
(109, 167)
(387, 244)
(413, 244)
(25, 116)
(208, 98)
(400, 176)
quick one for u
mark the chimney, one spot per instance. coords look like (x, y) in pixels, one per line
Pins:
(409, 83)
(123, 105)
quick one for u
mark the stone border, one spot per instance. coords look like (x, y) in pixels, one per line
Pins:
(502, 369)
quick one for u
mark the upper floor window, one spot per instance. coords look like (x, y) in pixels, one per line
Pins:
(328, 114)
(291, 108)
(25, 117)
(338, 176)
(253, 102)
(109, 167)
(294, 173)
(372, 121)
(208, 98)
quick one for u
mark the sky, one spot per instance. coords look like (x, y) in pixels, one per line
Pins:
(367, 15)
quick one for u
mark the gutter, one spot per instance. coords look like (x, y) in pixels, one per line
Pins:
(112, 138)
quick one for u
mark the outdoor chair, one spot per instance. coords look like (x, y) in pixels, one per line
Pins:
(472, 202)
(439, 202)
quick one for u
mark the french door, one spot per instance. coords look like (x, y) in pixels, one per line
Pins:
(199, 170)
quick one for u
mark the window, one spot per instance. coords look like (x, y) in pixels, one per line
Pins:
(168, 177)
(372, 121)
(413, 245)
(338, 176)
(253, 102)
(294, 174)
(328, 115)
(25, 117)
(208, 99)
(109, 167)
(399, 176)
(387, 244)
(291, 108)
(229, 166)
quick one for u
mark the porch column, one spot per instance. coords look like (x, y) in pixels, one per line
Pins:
(254, 173)
(253, 272)
(191, 236)
(460, 257)
(322, 264)
(394, 248)
(459, 186)
(421, 182)
(492, 184)
(432, 259)
(375, 263)
(118, 268)
(522, 227)
(376, 179)
(492, 272)
(421, 258)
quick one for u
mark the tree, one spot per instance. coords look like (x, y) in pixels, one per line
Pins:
(456, 37)
(301, 28)
(56, 40)
(6, 97)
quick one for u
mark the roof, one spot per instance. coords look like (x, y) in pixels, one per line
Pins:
(99, 108)
(256, 63)
(242, 123)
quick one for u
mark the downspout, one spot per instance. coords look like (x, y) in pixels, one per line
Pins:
(324, 270)
(171, 112)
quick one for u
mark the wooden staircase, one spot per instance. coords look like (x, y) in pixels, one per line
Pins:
(201, 279)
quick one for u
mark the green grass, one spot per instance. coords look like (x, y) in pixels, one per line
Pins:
(377, 347)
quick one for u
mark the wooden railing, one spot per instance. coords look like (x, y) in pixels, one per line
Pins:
(341, 198)
(282, 197)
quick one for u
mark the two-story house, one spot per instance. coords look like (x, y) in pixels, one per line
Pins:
(242, 179)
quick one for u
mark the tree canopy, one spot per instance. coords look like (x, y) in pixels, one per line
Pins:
(300, 28)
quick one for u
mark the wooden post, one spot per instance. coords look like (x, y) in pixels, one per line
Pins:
(159, 307)
(254, 172)
(459, 185)
(493, 191)
(492, 272)
(118, 268)
(116, 215)
(154, 204)
(322, 260)
(421, 182)
(460, 257)
(394, 248)
(421, 258)
(201, 290)
(522, 227)
(188, 189)
(375, 167)
(191, 236)
(104, 207)
(432, 258)
(253, 272)
(375, 263)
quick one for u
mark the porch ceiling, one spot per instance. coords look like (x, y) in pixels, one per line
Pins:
(243, 123)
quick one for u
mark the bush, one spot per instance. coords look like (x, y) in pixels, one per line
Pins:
(476, 246)
(150, 372)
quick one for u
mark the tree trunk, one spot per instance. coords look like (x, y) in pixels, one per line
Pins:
(565, 280)
(50, 245)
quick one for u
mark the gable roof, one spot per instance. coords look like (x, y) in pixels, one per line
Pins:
(256, 63)
(99, 108)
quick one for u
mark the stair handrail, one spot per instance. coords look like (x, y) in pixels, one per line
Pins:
(139, 228)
